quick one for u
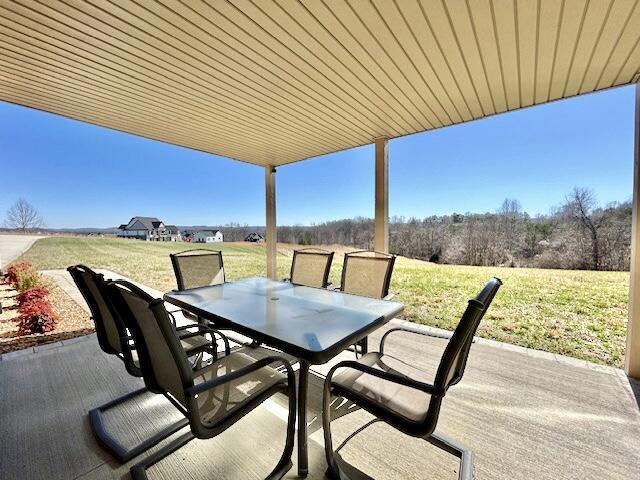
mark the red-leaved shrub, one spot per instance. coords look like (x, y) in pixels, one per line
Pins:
(32, 294)
(13, 272)
(23, 277)
(36, 316)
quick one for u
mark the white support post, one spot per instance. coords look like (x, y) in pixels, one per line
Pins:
(632, 355)
(271, 236)
(381, 232)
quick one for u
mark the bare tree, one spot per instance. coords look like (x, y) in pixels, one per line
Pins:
(510, 215)
(22, 215)
(582, 207)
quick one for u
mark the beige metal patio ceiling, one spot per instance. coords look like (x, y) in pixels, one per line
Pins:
(273, 82)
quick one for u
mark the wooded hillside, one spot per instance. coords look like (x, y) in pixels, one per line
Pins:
(579, 234)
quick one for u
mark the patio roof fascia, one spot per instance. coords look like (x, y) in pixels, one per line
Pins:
(282, 85)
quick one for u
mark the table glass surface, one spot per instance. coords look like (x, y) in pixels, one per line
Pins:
(311, 319)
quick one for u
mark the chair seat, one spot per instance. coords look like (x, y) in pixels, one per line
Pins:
(222, 401)
(195, 343)
(397, 399)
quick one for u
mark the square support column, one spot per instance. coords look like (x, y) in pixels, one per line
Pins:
(632, 355)
(271, 235)
(381, 232)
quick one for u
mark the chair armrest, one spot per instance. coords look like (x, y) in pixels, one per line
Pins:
(172, 317)
(445, 336)
(203, 329)
(229, 377)
(391, 377)
(185, 327)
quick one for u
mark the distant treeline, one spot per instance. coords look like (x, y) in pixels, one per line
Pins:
(578, 234)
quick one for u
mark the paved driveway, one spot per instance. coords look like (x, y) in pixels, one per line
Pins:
(12, 246)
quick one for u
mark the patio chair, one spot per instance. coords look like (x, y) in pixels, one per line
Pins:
(400, 394)
(367, 273)
(114, 339)
(310, 267)
(212, 398)
(197, 267)
(201, 267)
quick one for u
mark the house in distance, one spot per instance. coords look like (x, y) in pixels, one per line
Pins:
(149, 229)
(254, 237)
(207, 236)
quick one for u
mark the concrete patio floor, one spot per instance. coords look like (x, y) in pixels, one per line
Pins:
(525, 414)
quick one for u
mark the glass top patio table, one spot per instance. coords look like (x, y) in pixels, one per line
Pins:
(312, 324)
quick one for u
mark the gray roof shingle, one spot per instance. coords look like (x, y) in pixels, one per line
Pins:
(148, 222)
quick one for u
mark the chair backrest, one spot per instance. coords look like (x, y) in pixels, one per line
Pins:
(163, 362)
(310, 267)
(454, 358)
(198, 268)
(367, 273)
(108, 330)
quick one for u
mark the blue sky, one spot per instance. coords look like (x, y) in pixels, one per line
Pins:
(79, 175)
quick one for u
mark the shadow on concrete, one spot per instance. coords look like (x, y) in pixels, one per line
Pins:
(635, 387)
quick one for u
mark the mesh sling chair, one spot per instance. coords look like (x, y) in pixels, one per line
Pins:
(310, 267)
(114, 339)
(197, 267)
(213, 398)
(367, 273)
(398, 393)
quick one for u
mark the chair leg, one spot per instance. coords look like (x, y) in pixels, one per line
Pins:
(335, 464)
(139, 470)
(112, 445)
(467, 468)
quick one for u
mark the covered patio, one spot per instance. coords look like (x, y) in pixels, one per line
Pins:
(524, 413)
(276, 82)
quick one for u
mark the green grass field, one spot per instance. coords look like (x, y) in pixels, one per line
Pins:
(578, 313)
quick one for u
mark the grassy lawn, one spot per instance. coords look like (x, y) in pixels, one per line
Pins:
(578, 313)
